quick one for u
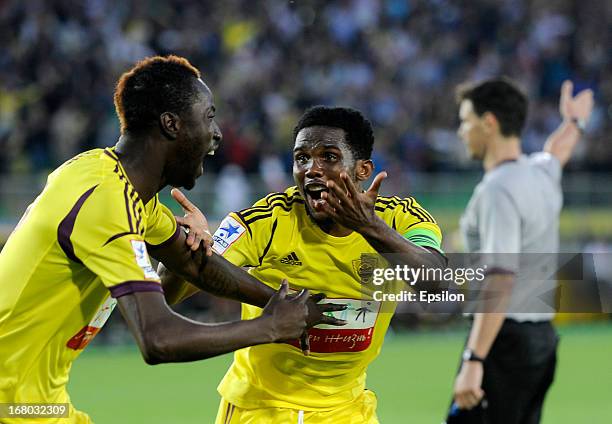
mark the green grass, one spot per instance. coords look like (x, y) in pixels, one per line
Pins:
(412, 379)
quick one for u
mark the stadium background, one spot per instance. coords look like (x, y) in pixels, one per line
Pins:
(266, 61)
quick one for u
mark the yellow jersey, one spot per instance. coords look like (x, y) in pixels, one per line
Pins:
(80, 244)
(277, 239)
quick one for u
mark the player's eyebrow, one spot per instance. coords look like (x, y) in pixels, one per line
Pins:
(325, 146)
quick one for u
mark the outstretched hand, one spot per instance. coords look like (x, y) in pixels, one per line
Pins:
(579, 106)
(349, 207)
(195, 222)
(317, 314)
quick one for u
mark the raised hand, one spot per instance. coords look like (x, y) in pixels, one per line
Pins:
(287, 316)
(195, 221)
(349, 207)
(575, 107)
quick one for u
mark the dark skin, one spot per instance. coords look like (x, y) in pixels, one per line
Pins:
(322, 158)
(171, 153)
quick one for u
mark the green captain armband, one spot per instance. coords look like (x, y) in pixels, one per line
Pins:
(424, 238)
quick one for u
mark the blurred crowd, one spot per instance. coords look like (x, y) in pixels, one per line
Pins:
(396, 60)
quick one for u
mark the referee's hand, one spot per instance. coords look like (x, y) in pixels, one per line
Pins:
(468, 391)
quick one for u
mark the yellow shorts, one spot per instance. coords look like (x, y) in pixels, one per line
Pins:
(360, 411)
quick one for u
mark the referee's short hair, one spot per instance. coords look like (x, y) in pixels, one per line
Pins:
(153, 86)
(502, 98)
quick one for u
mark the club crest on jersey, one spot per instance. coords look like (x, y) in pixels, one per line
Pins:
(228, 232)
(142, 259)
(364, 267)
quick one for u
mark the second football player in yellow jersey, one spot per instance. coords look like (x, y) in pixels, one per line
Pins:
(314, 235)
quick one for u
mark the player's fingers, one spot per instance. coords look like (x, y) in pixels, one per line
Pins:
(209, 250)
(349, 184)
(337, 191)
(182, 200)
(566, 90)
(302, 297)
(326, 319)
(197, 239)
(375, 186)
(284, 288)
(332, 307)
(331, 199)
(327, 208)
(181, 221)
(305, 343)
(316, 298)
(190, 238)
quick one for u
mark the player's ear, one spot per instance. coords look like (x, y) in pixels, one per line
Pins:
(364, 169)
(169, 124)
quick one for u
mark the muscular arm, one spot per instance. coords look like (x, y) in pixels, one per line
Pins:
(213, 274)
(164, 336)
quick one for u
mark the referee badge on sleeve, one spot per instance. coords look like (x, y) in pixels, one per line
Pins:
(228, 232)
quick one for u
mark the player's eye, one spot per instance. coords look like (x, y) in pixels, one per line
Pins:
(330, 157)
(301, 158)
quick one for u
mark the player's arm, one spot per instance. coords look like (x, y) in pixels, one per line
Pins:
(186, 268)
(499, 229)
(575, 111)
(213, 274)
(485, 327)
(165, 336)
(355, 210)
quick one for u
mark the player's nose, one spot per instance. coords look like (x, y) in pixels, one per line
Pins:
(314, 170)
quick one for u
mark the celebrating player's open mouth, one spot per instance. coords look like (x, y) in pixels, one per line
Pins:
(313, 191)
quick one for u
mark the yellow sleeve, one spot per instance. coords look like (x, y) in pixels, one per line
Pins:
(244, 237)
(412, 221)
(107, 236)
(161, 225)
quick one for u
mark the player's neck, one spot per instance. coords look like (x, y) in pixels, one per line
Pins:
(500, 150)
(142, 163)
(334, 229)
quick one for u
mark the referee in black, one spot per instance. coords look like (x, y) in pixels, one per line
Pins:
(510, 357)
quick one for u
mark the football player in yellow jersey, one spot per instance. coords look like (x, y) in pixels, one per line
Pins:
(82, 247)
(320, 228)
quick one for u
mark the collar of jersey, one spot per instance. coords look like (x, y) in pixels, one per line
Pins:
(328, 238)
(111, 151)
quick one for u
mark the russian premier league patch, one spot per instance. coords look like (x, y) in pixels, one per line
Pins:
(228, 232)
(142, 259)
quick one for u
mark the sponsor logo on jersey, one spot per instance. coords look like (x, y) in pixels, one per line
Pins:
(228, 232)
(291, 259)
(87, 333)
(355, 336)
